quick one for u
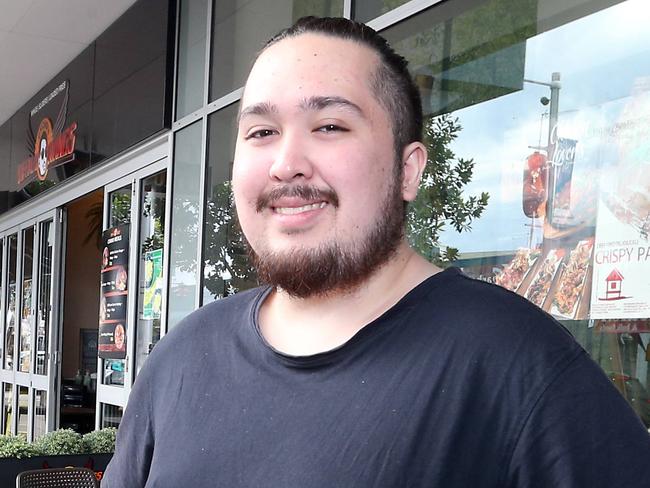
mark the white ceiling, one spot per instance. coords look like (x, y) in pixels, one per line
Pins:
(40, 37)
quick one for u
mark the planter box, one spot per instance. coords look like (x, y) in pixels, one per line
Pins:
(10, 467)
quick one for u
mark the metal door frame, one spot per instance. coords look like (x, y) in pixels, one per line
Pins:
(30, 380)
(118, 395)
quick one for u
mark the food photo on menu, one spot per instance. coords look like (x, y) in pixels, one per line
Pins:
(541, 283)
(573, 276)
(514, 273)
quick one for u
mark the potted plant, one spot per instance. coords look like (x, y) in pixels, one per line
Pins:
(57, 449)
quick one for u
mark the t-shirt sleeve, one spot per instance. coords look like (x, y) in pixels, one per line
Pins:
(134, 445)
(580, 433)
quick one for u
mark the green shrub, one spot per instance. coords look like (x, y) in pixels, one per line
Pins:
(100, 441)
(16, 447)
(62, 441)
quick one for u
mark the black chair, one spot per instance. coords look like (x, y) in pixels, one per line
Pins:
(57, 478)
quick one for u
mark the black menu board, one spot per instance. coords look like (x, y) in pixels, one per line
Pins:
(114, 293)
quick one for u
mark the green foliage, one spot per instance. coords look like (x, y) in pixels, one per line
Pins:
(441, 199)
(62, 441)
(16, 447)
(100, 441)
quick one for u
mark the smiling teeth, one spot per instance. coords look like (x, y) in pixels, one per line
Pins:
(297, 210)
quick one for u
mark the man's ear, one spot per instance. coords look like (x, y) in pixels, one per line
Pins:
(414, 159)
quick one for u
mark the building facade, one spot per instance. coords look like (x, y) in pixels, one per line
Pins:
(117, 218)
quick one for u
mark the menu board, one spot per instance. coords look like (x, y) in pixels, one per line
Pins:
(114, 293)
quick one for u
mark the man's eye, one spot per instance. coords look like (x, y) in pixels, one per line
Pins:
(259, 134)
(331, 128)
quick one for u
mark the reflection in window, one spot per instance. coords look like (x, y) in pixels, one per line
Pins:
(40, 411)
(23, 407)
(183, 269)
(44, 296)
(369, 9)
(2, 242)
(191, 56)
(10, 322)
(26, 316)
(7, 408)
(555, 159)
(150, 272)
(111, 415)
(120, 206)
(240, 28)
(226, 267)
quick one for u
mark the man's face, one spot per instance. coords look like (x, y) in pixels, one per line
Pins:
(315, 172)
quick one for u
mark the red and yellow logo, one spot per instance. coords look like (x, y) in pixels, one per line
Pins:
(49, 150)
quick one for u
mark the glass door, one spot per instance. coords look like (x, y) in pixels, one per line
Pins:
(135, 207)
(32, 253)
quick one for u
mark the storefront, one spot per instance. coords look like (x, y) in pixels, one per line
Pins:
(537, 117)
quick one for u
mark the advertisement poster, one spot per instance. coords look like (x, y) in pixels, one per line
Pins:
(114, 293)
(153, 282)
(621, 279)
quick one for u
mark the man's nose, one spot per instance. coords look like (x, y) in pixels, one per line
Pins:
(291, 160)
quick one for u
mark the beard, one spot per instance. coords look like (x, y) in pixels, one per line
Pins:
(335, 266)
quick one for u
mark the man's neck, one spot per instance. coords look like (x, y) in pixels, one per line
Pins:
(307, 326)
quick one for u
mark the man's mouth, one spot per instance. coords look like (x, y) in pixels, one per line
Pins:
(291, 200)
(301, 209)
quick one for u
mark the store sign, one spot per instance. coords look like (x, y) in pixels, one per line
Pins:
(53, 144)
(114, 293)
(623, 326)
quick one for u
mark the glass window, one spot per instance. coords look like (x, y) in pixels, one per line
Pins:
(7, 408)
(44, 296)
(191, 56)
(369, 9)
(26, 314)
(2, 242)
(150, 272)
(120, 207)
(111, 415)
(241, 27)
(538, 172)
(40, 411)
(226, 268)
(183, 276)
(23, 410)
(10, 322)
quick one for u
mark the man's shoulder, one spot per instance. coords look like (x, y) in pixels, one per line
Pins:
(212, 321)
(487, 315)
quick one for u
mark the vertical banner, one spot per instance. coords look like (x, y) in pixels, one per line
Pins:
(114, 293)
(563, 161)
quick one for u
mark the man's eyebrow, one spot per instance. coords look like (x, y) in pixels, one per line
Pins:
(262, 108)
(321, 102)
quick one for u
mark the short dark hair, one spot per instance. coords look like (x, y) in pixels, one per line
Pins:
(391, 82)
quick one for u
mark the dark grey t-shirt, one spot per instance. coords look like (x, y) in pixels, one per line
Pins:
(461, 384)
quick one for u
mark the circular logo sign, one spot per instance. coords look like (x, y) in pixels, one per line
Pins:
(43, 140)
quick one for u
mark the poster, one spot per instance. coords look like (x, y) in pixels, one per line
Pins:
(621, 283)
(153, 283)
(621, 279)
(114, 293)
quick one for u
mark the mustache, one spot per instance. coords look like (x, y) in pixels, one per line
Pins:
(305, 192)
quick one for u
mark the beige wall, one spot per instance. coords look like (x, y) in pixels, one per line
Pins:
(81, 289)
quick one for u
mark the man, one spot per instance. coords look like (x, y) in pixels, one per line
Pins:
(361, 364)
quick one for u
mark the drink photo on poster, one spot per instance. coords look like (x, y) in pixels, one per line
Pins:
(114, 293)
